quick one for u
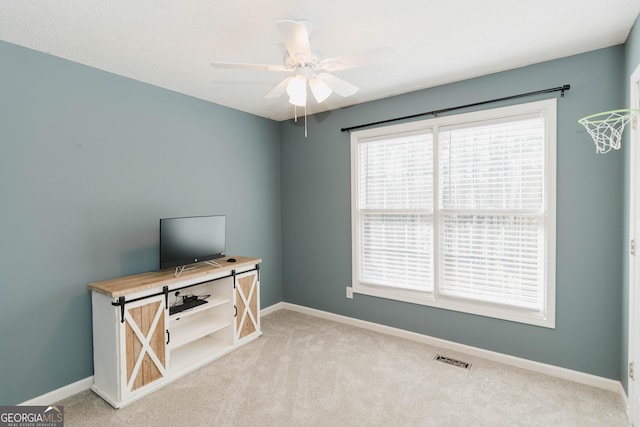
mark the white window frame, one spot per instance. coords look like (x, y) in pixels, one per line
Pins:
(545, 317)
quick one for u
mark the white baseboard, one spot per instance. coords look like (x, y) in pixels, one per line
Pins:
(625, 401)
(272, 308)
(543, 368)
(61, 393)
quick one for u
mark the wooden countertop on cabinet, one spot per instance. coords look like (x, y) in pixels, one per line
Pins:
(122, 286)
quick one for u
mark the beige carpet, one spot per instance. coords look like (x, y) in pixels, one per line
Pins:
(306, 371)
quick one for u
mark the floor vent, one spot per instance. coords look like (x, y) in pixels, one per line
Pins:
(453, 362)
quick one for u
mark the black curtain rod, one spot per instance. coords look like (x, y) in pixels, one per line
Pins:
(560, 89)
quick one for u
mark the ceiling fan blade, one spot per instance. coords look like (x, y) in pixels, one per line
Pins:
(373, 57)
(339, 86)
(296, 38)
(240, 65)
(280, 89)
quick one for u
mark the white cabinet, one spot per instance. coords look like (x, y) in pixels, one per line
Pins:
(139, 346)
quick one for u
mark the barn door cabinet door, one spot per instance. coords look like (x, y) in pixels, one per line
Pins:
(247, 304)
(144, 351)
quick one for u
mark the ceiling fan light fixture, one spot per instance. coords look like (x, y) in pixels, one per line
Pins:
(297, 91)
(298, 102)
(320, 89)
(309, 67)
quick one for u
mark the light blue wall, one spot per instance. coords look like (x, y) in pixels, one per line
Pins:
(89, 162)
(632, 61)
(316, 218)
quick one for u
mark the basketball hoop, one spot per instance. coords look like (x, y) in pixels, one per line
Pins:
(606, 128)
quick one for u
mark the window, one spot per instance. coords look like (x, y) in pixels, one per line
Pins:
(458, 212)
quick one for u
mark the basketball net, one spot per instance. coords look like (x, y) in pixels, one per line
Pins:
(606, 128)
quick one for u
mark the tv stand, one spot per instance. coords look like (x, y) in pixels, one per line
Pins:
(138, 346)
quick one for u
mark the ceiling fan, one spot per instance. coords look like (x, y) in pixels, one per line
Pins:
(308, 66)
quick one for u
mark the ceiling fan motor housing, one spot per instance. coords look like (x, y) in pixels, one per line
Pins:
(302, 60)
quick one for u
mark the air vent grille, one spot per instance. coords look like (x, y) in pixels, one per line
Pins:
(453, 362)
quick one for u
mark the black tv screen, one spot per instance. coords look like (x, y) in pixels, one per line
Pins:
(189, 240)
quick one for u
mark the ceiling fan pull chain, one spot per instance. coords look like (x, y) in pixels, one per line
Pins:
(305, 120)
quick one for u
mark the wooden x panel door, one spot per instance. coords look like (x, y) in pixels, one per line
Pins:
(247, 300)
(145, 352)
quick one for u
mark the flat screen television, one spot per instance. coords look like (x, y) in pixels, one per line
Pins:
(193, 239)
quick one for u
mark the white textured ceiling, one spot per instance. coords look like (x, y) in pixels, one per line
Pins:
(170, 43)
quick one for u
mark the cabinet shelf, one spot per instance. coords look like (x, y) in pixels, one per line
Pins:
(196, 353)
(212, 302)
(190, 330)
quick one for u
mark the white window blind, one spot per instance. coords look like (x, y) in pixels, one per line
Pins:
(458, 212)
(492, 212)
(492, 258)
(396, 208)
(493, 166)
